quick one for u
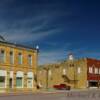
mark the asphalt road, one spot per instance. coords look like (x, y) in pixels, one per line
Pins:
(75, 95)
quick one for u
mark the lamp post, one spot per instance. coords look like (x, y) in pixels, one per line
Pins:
(37, 48)
(37, 51)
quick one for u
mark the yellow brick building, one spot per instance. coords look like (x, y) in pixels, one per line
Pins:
(17, 67)
(70, 72)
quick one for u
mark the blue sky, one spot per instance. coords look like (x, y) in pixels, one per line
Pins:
(57, 26)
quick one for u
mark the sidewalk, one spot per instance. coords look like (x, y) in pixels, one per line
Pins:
(44, 91)
(68, 93)
(18, 93)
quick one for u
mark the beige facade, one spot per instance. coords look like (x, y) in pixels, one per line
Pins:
(70, 72)
(17, 68)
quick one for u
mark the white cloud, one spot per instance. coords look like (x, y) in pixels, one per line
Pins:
(34, 28)
(54, 55)
(51, 56)
(19, 35)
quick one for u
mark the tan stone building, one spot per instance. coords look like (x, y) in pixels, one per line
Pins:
(17, 67)
(77, 73)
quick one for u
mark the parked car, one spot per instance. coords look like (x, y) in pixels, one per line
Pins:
(61, 87)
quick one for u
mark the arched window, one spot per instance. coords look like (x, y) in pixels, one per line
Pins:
(30, 78)
(19, 79)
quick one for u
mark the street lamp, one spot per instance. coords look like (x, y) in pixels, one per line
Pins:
(37, 51)
(37, 48)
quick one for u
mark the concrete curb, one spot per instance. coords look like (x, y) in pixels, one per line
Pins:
(31, 93)
(67, 93)
(15, 94)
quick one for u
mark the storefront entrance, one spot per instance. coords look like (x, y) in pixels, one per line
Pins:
(2, 82)
(93, 84)
(10, 83)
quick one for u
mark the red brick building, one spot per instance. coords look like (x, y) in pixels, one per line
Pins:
(93, 72)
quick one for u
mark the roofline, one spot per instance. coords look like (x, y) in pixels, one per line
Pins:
(93, 58)
(17, 45)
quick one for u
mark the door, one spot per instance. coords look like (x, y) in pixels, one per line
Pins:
(93, 84)
(10, 83)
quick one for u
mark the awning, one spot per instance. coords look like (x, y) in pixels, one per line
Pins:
(3, 73)
(30, 74)
(19, 74)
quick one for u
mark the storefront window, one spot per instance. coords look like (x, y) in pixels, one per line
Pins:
(19, 82)
(2, 81)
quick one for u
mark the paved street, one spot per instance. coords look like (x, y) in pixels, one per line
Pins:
(73, 95)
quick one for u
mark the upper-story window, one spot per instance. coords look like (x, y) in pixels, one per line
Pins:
(79, 70)
(2, 56)
(11, 57)
(30, 59)
(49, 73)
(20, 59)
(64, 71)
(96, 70)
(90, 70)
(99, 70)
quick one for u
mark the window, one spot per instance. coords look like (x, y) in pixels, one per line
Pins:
(64, 71)
(49, 72)
(19, 79)
(71, 65)
(2, 81)
(79, 70)
(19, 58)
(2, 56)
(29, 59)
(99, 70)
(29, 82)
(96, 71)
(19, 82)
(3, 75)
(90, 70)
(30, 79)
(11, 58)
